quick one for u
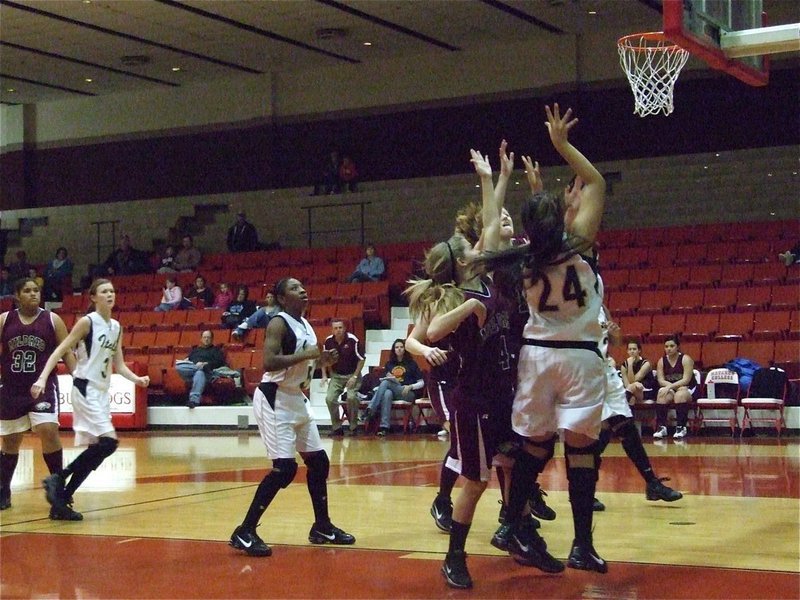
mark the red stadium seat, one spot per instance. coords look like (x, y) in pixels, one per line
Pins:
(719, 299)
(686, 301)
(700, 326)
(772, 325)
(736, 326)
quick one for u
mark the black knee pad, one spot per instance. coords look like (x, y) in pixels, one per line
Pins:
(548, 446)
(283, 471)
(617, 422)
(587, 457)
(318, 464)
(106, 446)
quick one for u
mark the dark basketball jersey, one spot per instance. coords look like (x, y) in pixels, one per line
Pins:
(673, 374)
(649, 381)
(447, 373)
(489, 353)
(26, 349)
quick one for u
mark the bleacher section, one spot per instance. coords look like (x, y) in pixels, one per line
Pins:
(719, 286)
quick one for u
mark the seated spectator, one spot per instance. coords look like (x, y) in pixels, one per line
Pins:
(197, 368)
(20, 267)
(188, 257)
(371, 267)
(223, 297)
(344, 375)
(200, 295)
(125, 260)
(637, 375)
(242, 236)
(790, 257)
(259, 319)
(328, 179)
(348, 175)
(166, 263)
(240, 308)
(675, 373)
(401, 380)
(6, 283)
(34, 274)
(57, 274)
(171, 297)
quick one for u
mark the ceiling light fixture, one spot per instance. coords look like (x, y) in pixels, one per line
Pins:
(368, 43)
(88, 80)
(176, 69)
(592, 12)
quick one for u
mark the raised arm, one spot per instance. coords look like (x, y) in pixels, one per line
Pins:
(590, 212)
(506, 170)
(533, 174)
(441, 325)
(415, 344)
(490, 213)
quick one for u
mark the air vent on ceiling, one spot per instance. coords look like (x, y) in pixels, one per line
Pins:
(331, 33)
(135, 60)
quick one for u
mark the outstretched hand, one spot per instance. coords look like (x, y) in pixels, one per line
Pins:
(533, 174)
(557, 126)
(481, 164)
(506, 160)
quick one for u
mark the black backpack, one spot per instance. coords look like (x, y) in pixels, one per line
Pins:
(771, 382)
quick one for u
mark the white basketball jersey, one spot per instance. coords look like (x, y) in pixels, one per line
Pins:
(298, 375)
(96, 352)
(565, 303)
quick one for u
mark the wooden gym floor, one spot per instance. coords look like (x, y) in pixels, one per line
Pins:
(158, 514)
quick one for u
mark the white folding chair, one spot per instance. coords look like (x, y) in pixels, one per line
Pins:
(721, 396)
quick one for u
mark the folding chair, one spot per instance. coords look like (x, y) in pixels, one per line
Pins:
(722, 396)
(767, 393)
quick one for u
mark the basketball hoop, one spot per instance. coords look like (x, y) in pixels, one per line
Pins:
(652, 64)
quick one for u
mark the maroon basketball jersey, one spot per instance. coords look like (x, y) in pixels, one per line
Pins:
(448, 372)
(489, 353)
(26, 349)
(673, 374)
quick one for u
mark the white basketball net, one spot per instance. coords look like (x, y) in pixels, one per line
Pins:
(652, 64)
